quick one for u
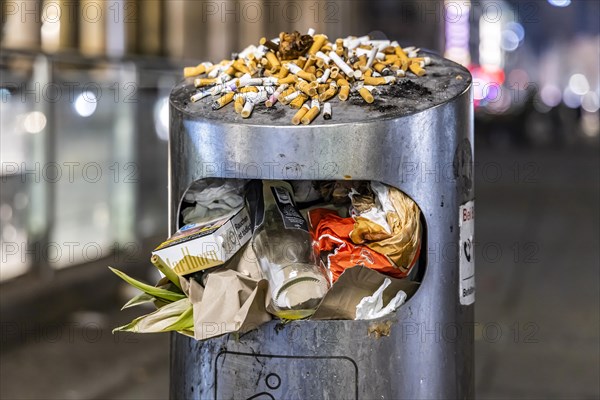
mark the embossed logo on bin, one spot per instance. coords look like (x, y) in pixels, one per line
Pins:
(263, 377)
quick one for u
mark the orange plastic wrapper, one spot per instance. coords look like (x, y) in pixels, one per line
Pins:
(331, 234)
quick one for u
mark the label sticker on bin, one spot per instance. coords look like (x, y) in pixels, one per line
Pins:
(466, 223)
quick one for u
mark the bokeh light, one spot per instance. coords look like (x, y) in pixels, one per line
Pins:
(34, 122)
(86, 103)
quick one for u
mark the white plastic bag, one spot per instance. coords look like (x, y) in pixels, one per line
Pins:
(371, 307)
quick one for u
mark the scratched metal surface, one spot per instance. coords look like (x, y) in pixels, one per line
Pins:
(426, 347)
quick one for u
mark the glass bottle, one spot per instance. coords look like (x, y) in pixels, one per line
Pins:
(283, 247)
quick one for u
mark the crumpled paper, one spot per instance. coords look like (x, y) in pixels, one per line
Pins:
(372, 307)
(233, 300)
(355, 284)
(391, 226)
(214, 199)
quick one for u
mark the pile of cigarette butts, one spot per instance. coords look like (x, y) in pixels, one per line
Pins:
(296, 68)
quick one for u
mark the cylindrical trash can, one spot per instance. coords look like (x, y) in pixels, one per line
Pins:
(418, 138)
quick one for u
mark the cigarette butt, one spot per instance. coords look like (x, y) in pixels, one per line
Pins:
(269, 44)
(416, 69)
(198, 82)
(273, 60)
(357, 74)
(339, 47)
(366, 95)
(400, 73)
(306, 76)
(286, 93)
(319, 41)
(230, 70)
(344, 93)
(197, 70)
(384, 80)
(325, 75)
(200, 95)
(248, 89)
(300, 113)
(334, 72)
(290, 79)
(310, 32)
(247, 110)
(240, 66)
(341, 64)
(327, 111)
(289, 97)
(342, 82)
(284, 71)
(188, 72)
(310, 115)
(310, 62)
(238, 104)
(223, 101)
(362, 61)
(296, 70)
(329, 93)
(368, 72)
(321, 56)
(301, 61)
(323, 87)
(275, 96)
(298, 101)
(402, 57)
(310, 89)
(382, 68)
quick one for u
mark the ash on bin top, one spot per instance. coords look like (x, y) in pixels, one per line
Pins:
(443, 81)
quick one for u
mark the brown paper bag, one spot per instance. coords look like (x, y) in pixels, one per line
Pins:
(354, 284)
(233, 299)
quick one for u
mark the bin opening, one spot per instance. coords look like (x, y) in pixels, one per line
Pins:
(320, 230)
(248, 251)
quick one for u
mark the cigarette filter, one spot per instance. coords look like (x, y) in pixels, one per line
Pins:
(327, 111)
(366, 95)
(300, 113)
(319, 41)
(222, 101)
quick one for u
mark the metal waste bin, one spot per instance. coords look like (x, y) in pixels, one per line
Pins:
(418, 137)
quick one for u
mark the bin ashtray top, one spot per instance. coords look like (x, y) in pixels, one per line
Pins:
(444, 81)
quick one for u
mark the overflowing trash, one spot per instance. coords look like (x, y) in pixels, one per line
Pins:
(251, 251)
(304, 72)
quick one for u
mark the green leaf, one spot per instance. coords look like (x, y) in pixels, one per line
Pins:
(141, 298)
(162, 320)
(184, 322)
(159, 293)
(187, 333)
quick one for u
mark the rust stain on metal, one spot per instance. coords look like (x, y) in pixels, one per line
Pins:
(379, 329)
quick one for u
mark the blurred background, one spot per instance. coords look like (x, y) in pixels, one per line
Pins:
(84, 125)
